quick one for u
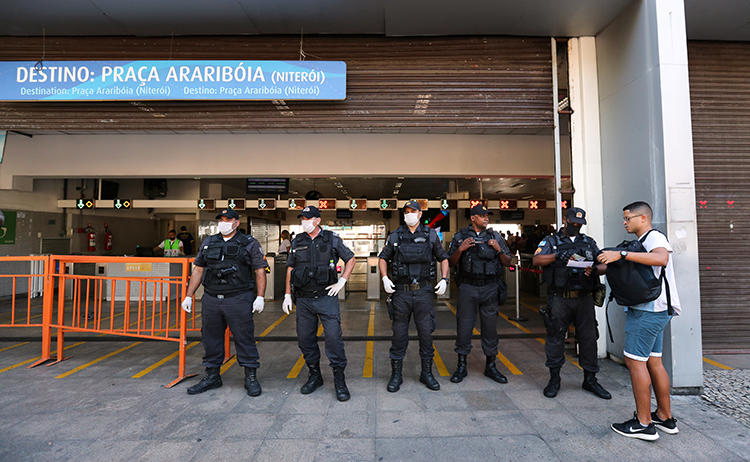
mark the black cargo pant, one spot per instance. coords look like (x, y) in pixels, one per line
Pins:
(421, 303)
(473, 298)
(325, 308)
(561, 312)
(237, 312)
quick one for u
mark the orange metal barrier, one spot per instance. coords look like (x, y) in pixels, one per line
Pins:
(146, 307)
(23, 310)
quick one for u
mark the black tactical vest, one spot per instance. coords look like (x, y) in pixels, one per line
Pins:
(559, 276)
(314, 264)
(479, 262)
(227, 271)
(413, 261)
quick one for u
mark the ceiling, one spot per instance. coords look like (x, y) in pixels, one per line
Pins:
(407, 188)
(378, 17)
(706, 20)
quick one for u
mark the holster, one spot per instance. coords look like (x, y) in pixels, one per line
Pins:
(389, 307)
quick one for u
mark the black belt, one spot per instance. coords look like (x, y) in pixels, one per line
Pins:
(229, 295)
(413, 286)
(310, 294)
(572, 293)
(479, 282)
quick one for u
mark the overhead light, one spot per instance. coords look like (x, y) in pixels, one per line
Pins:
(527, 197)
(398, 185)
(515, 185)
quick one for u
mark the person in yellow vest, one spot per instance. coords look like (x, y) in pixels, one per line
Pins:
(171, 246)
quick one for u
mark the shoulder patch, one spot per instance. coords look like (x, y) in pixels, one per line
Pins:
(542, 244)
(538, 251)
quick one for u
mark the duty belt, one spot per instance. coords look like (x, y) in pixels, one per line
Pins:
(413, 286)
(479, 282)
(223, 296)
(572, 293)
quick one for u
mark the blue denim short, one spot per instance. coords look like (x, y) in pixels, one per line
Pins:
(644, 333)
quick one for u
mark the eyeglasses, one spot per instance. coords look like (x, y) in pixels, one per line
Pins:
(628, 218)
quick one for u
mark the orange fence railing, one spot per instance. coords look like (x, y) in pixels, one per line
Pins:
(144, 307)
(22, 285)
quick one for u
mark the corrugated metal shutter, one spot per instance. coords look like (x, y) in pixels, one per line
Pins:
(425, 85)
(720, 102)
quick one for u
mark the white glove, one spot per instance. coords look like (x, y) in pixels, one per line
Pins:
(388, 285)
(334, 289)
(441, 287)
(187, 304)
(286, 305)
(258, 304)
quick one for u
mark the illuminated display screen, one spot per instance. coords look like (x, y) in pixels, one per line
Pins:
(537, 204)
(122, 204)
(388, 204)
(236, 204)
(266, 204)
(448, 204)
(475, 202)
(358, 204)
(508, 204)
(85, 204)
(296, 204)
(326, 204)
(206, 204)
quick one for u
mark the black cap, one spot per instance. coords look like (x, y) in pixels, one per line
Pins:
(413, 205)
(229, 214)
(309, 212)
(479, 209)
(576, 215)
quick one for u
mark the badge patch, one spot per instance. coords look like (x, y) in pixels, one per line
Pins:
(538, 251)
(542, 244)
(579, 215)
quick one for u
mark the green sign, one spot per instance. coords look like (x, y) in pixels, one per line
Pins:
(7, 227)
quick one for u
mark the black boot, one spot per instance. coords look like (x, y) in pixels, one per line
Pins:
(490, 370)
(314, 381)
(460, 373)
(553, 386)
(251, 382)
(591, 384)
(426, 376)
(339, 382)
(211, 380)
(396, 375)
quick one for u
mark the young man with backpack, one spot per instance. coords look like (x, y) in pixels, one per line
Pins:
(644, 328)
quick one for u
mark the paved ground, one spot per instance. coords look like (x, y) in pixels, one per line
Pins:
(98, 410)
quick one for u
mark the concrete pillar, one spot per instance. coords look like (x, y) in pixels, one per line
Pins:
(646, 145)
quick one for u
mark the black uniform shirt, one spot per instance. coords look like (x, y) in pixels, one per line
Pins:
(304, 239)
(253, 257)
(484, 235)
(389, 250)
(546, 245)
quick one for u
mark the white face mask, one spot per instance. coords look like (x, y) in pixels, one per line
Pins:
(308, 226)
(225, 227)
(411, 219)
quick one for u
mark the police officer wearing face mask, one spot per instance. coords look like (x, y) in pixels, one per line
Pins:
(233, 270)
(312, 278)
(411, 251)
(569, 299)
(479, 254)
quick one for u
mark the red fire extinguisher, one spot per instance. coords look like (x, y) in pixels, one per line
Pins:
(91, 236)
(107, 238)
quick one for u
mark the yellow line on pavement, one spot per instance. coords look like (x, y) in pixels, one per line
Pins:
(294, 373)
(370, 345)
(91, 363)
(163, 361)
(13, 346)
(717, 364)
(273, 326)
(228, 364)
(439, 364)
(35, 359)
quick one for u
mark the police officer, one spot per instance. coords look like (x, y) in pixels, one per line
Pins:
(311, 276)
(569, 299)
(479, 254)
(225, 263)
(412, 251)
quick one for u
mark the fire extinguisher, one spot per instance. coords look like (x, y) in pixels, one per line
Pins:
(107, 238)
(91, 236)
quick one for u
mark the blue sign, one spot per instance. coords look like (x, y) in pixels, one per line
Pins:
(172, 80)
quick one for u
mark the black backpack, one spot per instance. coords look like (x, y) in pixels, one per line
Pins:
(632, 283)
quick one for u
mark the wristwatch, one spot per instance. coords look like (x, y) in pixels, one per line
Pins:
(623, 253)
